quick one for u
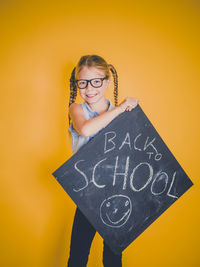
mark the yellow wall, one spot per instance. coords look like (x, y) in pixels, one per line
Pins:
(154, 46)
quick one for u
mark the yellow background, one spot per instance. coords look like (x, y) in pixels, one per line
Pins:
(154, 45)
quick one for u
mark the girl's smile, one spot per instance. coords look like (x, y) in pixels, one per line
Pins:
(91, 96)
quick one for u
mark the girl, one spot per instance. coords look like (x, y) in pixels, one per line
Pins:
(91, 77)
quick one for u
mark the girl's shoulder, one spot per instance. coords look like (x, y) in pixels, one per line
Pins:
(74, 107)
(78, 111)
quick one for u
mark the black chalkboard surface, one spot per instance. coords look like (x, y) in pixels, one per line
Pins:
(123, 179)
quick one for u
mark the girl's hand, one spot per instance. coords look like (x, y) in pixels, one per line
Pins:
(128, 104)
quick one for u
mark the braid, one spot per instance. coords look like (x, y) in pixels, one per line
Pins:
(73, 89)
(115, 77)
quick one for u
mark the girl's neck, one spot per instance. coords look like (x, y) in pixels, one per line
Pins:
(100, 107)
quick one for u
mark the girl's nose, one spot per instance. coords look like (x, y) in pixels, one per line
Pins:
(89, 86)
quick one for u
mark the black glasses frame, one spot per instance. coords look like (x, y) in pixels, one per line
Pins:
(90, 81)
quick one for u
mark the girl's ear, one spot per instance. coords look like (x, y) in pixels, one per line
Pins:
(108, 82)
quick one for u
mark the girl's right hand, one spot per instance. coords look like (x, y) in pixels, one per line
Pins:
(128, 104)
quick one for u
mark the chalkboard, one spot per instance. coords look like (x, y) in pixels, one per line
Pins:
(123, 179)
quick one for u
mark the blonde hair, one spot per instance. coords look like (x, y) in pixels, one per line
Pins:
(97, 62)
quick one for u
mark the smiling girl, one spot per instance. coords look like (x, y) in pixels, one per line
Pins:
(91, 77)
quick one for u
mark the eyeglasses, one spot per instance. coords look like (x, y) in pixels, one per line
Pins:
(96, 82)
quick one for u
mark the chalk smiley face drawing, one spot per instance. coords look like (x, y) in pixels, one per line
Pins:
(115, 210)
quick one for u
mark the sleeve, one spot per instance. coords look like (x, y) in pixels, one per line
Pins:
(74, 136)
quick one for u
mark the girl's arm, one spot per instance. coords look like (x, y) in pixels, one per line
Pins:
(89, 127)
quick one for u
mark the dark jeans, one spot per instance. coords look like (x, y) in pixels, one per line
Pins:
(81, 239)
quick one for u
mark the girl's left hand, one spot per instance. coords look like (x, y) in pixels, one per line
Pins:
(129, 103)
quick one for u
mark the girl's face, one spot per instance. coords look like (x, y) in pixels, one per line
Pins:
(91, 94)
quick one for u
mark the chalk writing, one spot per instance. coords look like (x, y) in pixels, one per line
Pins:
(115, 210)
(142, 164)
(110, 144)
(125, 174)
(151, 176)
(83, 174)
